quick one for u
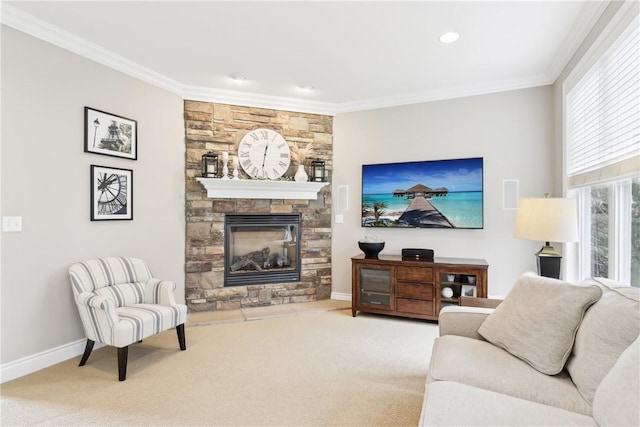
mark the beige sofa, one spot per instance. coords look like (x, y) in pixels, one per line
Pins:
(498, 367)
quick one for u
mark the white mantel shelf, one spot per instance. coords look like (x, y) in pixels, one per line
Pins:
(260, 189)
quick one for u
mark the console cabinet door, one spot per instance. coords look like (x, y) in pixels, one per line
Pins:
(374, 287)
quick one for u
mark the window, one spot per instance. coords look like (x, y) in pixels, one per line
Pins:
(610, 230)
(602, 162)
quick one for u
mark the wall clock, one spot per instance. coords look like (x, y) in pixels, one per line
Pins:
(264, 154)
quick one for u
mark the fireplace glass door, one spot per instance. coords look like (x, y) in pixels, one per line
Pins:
(262, 249)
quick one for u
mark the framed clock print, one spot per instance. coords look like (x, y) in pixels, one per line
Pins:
(111, 135)
(111, 193)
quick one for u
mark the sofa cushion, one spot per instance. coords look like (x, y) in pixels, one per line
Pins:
(483, 365)
(89, 275)
(123, 294)
(538, 320)
(140, 321)
(608, 328)
(450, 403)
(617, 397)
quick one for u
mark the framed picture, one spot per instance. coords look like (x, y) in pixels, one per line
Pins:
(111, 193)
(468, 291)
(111, 135)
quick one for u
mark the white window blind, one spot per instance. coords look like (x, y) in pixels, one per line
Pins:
(603, 110)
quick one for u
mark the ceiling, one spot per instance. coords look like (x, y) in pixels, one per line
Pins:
(357, 55)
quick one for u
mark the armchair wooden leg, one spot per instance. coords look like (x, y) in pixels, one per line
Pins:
(123, 352)
(87, 351)
(181, 340)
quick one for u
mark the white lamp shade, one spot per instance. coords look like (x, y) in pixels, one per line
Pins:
(547, 219)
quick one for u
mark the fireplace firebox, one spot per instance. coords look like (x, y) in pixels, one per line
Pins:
(261, 248)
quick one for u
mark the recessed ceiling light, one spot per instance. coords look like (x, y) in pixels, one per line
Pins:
(449, 37)
(238, 78)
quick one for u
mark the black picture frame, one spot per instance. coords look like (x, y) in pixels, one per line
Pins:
(111, 193)
(109, 134)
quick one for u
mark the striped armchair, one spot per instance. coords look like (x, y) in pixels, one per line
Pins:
(120, 303)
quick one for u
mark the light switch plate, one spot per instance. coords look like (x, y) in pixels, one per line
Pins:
(339, 219)
(11, 223)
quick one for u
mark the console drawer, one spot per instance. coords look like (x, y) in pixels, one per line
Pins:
(414, 306)
(413, 274)
(415, 290)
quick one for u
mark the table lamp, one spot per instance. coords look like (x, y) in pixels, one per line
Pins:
(549, 220)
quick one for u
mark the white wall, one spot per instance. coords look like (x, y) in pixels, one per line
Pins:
(45, 179)
(512, 131)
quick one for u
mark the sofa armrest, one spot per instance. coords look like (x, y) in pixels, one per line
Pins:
(97, 308)
(479, 302)
(158, 291)
(462, 321)
(93, 300)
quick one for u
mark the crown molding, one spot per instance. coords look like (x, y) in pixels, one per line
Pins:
(248, 99)
(444, 94)
(590, 14)
(42, 30)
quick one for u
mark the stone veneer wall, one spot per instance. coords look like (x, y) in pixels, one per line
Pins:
(220, 127)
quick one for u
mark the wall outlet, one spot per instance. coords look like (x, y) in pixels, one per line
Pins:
(11, 223)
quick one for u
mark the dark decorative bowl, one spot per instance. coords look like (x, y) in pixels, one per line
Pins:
(371, 249)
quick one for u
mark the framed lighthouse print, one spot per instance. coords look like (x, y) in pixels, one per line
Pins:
(111, 193)
(109, 134)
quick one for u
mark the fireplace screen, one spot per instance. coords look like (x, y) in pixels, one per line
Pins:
(261, 249)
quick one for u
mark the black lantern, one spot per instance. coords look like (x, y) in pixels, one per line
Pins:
(210, 165)
(317, 170)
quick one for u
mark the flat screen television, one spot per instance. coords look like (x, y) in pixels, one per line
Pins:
(423, 194)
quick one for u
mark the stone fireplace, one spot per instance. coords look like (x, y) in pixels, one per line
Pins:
(261, 248)
(220, 127)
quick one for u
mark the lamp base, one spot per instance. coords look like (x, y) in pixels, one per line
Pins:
(548, 261)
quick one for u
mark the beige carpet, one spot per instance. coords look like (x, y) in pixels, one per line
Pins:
(316, 369)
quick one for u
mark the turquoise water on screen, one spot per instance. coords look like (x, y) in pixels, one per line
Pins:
(462, 209)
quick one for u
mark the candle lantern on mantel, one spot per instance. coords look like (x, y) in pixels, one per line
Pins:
(210, 165)
(317, 170)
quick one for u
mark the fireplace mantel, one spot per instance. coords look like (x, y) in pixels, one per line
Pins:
(260, 189)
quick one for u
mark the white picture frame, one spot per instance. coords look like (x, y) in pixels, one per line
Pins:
(468, 291)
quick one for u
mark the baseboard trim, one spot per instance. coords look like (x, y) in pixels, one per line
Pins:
(340, 296)
(27, 365)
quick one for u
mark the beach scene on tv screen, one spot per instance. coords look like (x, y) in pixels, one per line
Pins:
(426, 194)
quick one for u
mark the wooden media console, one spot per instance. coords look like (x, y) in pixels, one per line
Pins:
(413, 288)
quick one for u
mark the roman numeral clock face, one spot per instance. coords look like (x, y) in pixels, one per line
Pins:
(264, 154)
